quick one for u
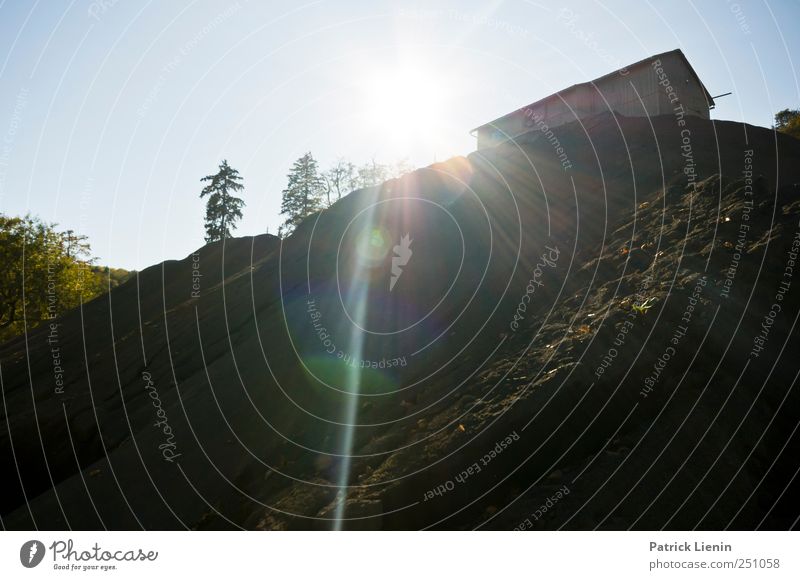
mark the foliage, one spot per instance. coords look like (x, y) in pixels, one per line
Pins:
(309, 190)
(339, 179)
(344, 176)
(303, 194)
(45, 273)
(112, 277)
(788, 121)
(372, 173)
(644, 306)
(223, 210)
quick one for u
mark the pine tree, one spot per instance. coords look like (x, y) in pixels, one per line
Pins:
(303, 194)
(223, 210)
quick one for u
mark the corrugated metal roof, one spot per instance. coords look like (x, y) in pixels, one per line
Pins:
(637, 64)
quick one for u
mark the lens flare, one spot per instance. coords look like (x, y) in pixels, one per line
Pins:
(372, 246)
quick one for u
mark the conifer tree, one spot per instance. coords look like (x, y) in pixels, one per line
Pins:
(223, 210)
(303, 194)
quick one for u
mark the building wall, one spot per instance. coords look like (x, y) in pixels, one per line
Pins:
(617, 92)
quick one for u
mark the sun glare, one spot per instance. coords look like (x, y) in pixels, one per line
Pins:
(405, 105)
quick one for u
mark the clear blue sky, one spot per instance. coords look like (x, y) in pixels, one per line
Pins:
(112, 110)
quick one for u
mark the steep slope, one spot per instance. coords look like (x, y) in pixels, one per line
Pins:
(607, 345)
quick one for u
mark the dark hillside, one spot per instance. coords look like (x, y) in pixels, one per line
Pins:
(613, 342)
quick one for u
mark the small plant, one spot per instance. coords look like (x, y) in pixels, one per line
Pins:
(644, 306)
(583, 330)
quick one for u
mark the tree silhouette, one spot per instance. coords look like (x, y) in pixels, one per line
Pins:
(303, 194)
(339, 179)
(223, 210)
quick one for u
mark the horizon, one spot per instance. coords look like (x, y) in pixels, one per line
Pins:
(111, 112)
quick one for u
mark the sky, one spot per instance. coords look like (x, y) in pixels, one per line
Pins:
(112, 110)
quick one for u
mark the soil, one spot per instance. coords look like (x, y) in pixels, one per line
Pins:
(607, 346)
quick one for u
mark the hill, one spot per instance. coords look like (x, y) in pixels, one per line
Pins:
(607, 346)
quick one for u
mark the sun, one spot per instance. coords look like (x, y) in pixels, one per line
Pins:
(405, 105)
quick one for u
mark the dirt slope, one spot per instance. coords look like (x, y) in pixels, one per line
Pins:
(611, 345)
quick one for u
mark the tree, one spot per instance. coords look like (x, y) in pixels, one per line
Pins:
(303, 194)
(223, 210)
(45, 273)
(402, 167)
(788, 121)
(341, 178)
(373, 173)
(76, 245)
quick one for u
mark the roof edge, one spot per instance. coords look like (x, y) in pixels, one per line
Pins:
(636, 64)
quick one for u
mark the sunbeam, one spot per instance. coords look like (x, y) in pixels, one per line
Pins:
(368, 252)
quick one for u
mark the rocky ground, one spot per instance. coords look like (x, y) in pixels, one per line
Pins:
(607, 346)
